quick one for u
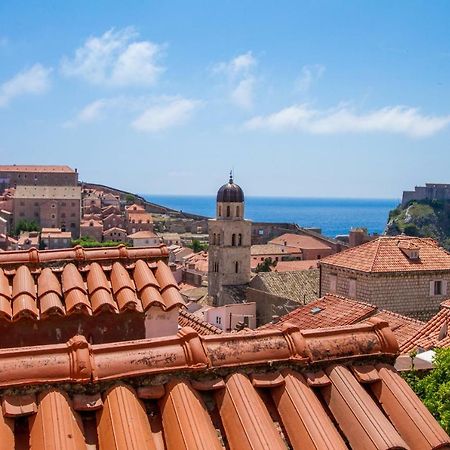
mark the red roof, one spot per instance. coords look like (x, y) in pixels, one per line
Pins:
(435, 333)
(290, 266)
(187, 319)
(385, 254)
(300, 241)
(335, 310)
(328, 311)
(322, 389)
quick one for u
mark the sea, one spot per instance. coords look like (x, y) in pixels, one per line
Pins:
(332, 215)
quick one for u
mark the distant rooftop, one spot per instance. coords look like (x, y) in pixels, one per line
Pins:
(57, 192)
(37, 168)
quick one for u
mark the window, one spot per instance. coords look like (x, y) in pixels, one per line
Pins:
(72, 225)
(261, 232)
(240, 239)
(53, 205)
(233, 240)
(238, 211)
(246, 321)
(333, 282)
(236, 266)
(438, 287)
(352, 288)
(53, 216)
(216, 267)
(228, 211)
(220, 211)
(219, 320)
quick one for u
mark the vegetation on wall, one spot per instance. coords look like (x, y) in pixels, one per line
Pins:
(266, 266)
(88, 242)
(26, 225)
(434, 388)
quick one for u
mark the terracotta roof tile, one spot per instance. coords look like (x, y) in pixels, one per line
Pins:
(385, 255)
(122, 422)
(229, 390)
(64, 434)
(24, 294)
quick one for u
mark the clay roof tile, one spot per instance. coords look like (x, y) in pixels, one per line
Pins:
(164, 276)
(24, 294)
(5, 297)
(99, 290)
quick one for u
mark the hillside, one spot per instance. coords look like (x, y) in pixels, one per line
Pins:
(423, 219)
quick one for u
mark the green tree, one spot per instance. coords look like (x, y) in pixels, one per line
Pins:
(197, 246)
(130, 198)
(434, 388)
(26, 225)
(266, 265)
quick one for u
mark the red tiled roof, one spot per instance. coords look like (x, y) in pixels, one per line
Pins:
(187, 319)
(252, 390)
(38, 284)
(328, 311)
(403, 327)
(334, 310)
(135, 207)
(433, 334)
(300, 241)
(385, 255)
(272, 249)
(290, 266)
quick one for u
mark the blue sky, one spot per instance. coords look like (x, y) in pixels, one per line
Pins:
(305, 99)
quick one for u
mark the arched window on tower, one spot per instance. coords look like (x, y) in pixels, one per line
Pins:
(236, 266)
(214, 239)
(238, 211)
(220, 210)
(228, 211)
(233, 240)
(240, 239)
(218, 238)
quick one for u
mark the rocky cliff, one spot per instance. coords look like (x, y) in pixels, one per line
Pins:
(423, 219)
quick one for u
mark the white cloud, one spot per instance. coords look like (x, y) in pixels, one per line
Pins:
(242, 94)
(241, 64)
(342, 119)
(165, 115)
(34, 81)
(308, 76)
(241, 81)
(116, 59)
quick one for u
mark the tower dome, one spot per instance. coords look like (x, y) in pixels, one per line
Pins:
(230, 192)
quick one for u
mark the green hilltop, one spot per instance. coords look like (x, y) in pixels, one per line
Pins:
(422, 218)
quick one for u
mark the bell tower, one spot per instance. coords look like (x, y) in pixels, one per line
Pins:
(229, 242)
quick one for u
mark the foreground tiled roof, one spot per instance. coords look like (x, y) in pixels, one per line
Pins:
(187, 319)
(385, 255)
(327, 311)
(435, 333)
(301, 286)
(38, 284)
(318, 389)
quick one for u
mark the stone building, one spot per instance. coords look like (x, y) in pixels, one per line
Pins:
(115, 234)
(431, 191)
(403, 274)
(54, 238)
(14, 175)
(229, 242)
(92, 228)
(49, 206)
